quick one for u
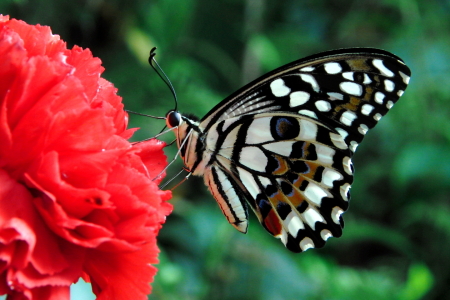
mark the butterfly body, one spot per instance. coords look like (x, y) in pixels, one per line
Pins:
(283, 144)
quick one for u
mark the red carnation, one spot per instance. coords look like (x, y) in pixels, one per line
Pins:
(76, 198)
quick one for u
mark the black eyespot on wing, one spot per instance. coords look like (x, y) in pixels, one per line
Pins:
(284, 128)
(264, 207)
(300, 167)
(283, 209)
(303, 185)
(318, 173)
(271, 190)
(302, 207)
(311, 152)
(272, 164)
(292, 177)
(286, 188)
(298, 149)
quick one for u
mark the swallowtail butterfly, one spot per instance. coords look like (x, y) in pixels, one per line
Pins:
(283, 144)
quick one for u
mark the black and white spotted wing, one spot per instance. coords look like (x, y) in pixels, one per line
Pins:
(283, 143)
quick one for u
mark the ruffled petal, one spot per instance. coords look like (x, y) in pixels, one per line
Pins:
(77, 199)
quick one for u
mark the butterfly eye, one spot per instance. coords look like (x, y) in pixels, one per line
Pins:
(173, 119)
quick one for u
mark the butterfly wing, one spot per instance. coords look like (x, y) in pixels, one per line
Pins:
(284, 143)
(294, 172)
(349, 89)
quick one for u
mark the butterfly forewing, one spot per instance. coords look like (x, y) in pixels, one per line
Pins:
(348, 89)
(284, 142)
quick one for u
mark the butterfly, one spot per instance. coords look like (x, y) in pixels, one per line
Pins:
(282, 145)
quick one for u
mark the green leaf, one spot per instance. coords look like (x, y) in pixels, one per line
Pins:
(420, 281)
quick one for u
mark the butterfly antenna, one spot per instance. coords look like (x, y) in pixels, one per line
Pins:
(152, 61)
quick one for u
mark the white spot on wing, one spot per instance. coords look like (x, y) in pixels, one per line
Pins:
(348, 76)
(351, 88)
(366, 109)
(377, 116)
(389, 85)
(293, 223)
(306, 244)
(325, 234)
(379, 97)
(298, 98)
(378, 63)
(315, 193)
(400, 93)
(329, 176)
(342, 132)
(363, 129)
(353, 146)
(338, 140)
(323, 105)
(348, 117)
(332, 68)
(367, 79)
(404, 77)
(347, 164)
(345, 188)
(278, 88)
(308, 113)
(312, 216)
(310, 79)
(389, 104)
(335, 96)
(325, 154)
(336, 214)
(307, 69)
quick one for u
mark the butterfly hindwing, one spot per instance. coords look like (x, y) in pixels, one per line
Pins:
(283, 143)
(294, 172)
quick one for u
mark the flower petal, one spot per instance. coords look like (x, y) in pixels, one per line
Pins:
(76, 197)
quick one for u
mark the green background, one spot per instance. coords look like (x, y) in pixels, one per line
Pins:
(397, 234)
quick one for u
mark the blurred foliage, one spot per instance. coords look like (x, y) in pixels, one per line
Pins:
(397, 237)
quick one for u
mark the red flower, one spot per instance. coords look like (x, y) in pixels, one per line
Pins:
(76, 198)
